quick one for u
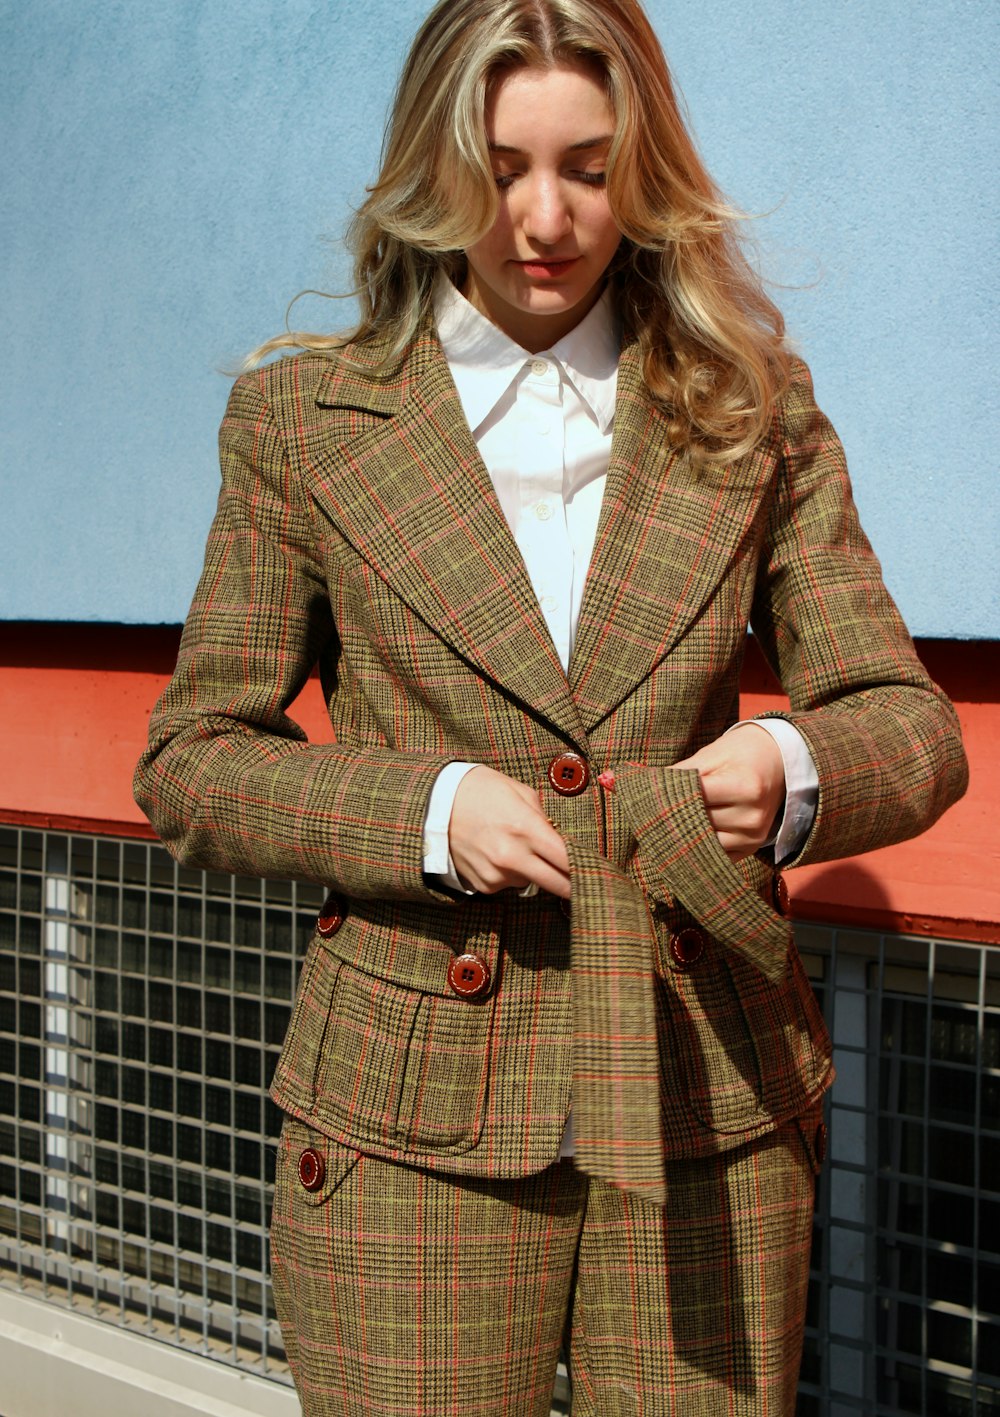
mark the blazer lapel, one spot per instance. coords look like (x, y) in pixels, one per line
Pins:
(413, 497)
(667, 534)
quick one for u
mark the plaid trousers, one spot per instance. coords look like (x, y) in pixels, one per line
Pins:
(402, 1291)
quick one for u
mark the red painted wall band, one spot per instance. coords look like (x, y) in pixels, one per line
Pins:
(75, 703)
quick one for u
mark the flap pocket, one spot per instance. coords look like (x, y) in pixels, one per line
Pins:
(740, 1052)
(400, 1071)
(411, 944)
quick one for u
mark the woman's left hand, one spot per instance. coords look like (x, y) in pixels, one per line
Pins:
(743, 783)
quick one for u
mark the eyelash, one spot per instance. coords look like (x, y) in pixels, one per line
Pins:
(506, 180)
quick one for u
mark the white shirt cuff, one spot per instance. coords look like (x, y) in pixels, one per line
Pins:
(801, 785)
(437, 857)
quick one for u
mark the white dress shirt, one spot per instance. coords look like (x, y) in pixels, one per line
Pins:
(543, 426)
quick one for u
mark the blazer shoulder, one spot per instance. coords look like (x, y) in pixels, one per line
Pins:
(798, 392)
(370, 376)
(294, 380)
(296, 396)
(799, 423)
(800, 375)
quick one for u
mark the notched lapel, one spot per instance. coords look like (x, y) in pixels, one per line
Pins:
(666, 537)
(414, 499)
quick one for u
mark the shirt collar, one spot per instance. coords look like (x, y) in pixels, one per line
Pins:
(484, 361)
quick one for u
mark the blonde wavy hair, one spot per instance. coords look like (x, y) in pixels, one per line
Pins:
(711, 341)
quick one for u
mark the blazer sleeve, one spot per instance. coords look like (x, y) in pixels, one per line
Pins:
(884, 738)
(228, 780)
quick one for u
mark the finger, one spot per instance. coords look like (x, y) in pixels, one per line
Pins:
(549, 878)
(547, 843)
(692, 762)
(735, 849)
(488, 877)
(547, 861)
(541, 856)
(528, 795)
(749, 820)
(514, 855)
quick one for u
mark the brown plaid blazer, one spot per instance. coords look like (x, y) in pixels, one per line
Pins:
(358, 528)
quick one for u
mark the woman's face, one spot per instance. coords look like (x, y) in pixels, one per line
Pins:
(541, 266)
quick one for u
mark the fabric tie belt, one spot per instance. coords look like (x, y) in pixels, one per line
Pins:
(616, 1066)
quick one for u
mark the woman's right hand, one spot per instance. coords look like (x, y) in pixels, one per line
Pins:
(499, 837)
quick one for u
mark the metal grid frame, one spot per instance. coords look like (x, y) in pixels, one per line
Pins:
(142, 1006)
(905, 1294)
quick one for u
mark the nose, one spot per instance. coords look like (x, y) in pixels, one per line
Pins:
(547, 217)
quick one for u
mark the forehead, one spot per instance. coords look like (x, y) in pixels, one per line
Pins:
(528, 107)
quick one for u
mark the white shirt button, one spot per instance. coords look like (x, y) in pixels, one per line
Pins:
(543, 511)
(539, 367)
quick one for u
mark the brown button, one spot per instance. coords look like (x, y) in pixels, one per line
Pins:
(779, 894)
(331, 917)
(469, 976)
(568, 774)
(687, 947)
(312, 1169)
(820, 1141)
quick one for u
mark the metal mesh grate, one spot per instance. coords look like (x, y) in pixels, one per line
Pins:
(142, 1007)
(141, 1010)
(905, 1300)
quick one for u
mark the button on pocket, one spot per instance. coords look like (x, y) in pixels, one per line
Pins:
(779, 895)
(332, 915)
(687, 947)
(312, 1169)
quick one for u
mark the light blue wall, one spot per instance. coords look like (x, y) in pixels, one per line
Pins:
(171, 172)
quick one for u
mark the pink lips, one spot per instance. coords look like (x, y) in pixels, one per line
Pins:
(547, 270)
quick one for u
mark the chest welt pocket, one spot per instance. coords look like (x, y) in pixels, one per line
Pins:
(387, 1066)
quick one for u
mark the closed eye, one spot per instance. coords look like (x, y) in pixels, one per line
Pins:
(506, 180)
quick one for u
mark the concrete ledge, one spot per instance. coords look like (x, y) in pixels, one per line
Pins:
(54, 1361)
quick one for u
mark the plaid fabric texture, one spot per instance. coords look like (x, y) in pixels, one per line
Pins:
(357, 528)
(402, 1292)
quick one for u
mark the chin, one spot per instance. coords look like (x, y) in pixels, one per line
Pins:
(552, 299)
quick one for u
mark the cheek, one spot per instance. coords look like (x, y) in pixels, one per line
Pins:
(492, 247)
(605, 233)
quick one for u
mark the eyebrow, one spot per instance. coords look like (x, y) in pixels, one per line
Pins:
(573, 147)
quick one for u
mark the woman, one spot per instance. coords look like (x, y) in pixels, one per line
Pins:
(554, 1066)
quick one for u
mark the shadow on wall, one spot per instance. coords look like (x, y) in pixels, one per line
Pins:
(845, 893)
